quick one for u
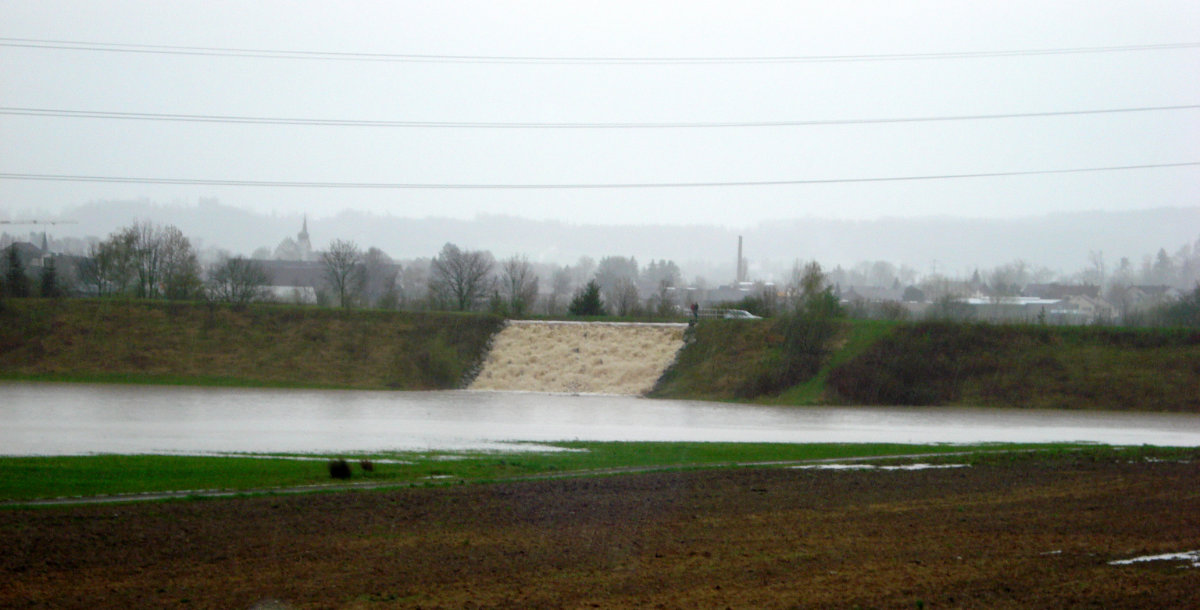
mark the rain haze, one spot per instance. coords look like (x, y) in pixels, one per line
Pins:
(736, 117)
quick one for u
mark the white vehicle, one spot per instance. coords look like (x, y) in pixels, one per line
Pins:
(740, 314)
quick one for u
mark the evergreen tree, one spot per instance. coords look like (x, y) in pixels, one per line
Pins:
(48, 281)
(16, 283)
(587, 301)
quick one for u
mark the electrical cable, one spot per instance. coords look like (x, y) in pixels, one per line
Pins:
(70, 45)
(203, 118)
(576, 186)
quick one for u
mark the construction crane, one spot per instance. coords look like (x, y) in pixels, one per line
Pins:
(45, 241)
(38, 222)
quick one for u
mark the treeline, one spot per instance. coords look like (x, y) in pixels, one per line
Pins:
(149, 261)
(143, 260)
(159, 262)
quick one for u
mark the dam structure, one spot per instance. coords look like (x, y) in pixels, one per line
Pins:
(579, 357)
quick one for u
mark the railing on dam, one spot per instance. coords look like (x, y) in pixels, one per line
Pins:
(579, 357)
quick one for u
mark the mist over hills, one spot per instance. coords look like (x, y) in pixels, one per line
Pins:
(955, 246)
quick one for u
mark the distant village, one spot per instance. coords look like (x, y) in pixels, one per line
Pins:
(346, 275)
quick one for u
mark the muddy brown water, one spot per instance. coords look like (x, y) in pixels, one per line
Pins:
(65, 419)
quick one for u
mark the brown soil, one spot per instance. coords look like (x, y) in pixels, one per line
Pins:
(1016, 535)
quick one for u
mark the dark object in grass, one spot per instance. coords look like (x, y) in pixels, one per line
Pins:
(339, 469)
(367, 465)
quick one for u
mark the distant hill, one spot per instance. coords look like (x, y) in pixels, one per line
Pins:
(1060, 241)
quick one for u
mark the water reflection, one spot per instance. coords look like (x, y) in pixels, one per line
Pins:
(58, 419)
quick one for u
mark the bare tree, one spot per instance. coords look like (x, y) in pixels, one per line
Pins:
(625, 297)
(664, 302)
(518, 284)
(238, 281)
(613, 274)
(343, 270)
(794, 287)
(109, 267)
(178, 267)
(414, 284)
(1096, 273)
(380, 275)
(560, 291)
(147, 256)
(146, 260)
(459, 277)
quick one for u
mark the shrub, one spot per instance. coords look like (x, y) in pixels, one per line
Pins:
(339, 469)
(367, 465)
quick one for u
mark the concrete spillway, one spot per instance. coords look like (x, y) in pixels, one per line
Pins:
(579, 357)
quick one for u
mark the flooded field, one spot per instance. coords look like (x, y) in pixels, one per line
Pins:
(63, 419)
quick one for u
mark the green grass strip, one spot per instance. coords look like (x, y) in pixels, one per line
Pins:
(28, 478)
(860, 335)
(165, 379)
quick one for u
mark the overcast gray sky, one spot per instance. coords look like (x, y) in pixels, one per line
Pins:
(842, 62)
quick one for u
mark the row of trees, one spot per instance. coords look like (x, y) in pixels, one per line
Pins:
(470, 279)
(150, 261)
(143, 260)
(456, 279)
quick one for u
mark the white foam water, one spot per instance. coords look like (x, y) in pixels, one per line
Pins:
(579, 357)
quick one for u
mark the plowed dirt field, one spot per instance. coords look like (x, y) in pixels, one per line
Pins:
(1031, 534)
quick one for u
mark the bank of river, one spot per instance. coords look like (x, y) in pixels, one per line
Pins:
(68, 419)
(867, 362)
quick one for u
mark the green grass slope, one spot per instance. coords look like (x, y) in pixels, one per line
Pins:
(192, 343)
(886, 363)
(1025, 367)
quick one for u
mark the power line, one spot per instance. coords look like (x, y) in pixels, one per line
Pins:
(71, 45)
(206, 118)
(565, 186)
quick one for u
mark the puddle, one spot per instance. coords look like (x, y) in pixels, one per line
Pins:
(289, 458)
(873, 467)
(1192, 558)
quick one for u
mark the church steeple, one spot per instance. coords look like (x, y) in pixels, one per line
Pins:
(303, 245)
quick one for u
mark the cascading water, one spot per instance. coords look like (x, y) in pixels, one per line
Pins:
(579, 357)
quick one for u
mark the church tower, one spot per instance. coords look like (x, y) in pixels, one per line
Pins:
(302, 243)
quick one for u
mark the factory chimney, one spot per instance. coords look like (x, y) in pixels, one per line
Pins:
(741, 264)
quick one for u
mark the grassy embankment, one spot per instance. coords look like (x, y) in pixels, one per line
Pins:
(1022, 366)
(867, 362)
(263, 345)
(28, 478)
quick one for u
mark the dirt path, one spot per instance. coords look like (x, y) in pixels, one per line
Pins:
(1027, 534)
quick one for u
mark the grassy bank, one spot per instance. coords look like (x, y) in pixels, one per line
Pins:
(864, 362)
(28, 478)
(882, 363)
(726, 359)
(1025, 366)
(263, 345)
